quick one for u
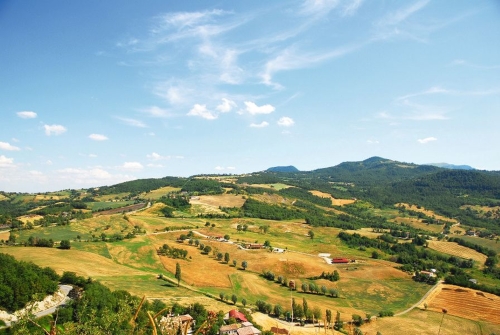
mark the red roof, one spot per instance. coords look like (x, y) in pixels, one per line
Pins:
(237, 315)
(340, 260)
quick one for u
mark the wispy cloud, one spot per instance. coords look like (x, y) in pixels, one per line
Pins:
(461, 62)
(8, 147)
(27, 115)
(372, 142)
(155, 111)
(253, 109)
(132, 122)
(402, 14)
(54, 129)
(98, 137)
(286, 121)
(263, 124)
(202, 111)
(426, 140)
(291, 59)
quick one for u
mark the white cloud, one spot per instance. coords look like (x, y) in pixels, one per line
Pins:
(6, 162)
(226, 105)
(259, 125)
(93, 176)
(92, 156)
(426, 140)
(54, 129)
(313, 7)
(219, 168)
(156, 111)
(351, 7)
(202, 111)
(132, 166)
(156, 157)
(98, 137)
(8, 147)
(253, 109)
(27, 114)
(151, 165)
(132, 122)
(372, 142)
(285, 121)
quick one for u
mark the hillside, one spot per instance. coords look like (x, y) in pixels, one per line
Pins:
(391, 221)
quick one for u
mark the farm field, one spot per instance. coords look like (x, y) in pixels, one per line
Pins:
(466, 303)
(158, 193)
(277, 186)
(335, 201)
(454, 249)
(427, 212)
(491, 244)
(416, 223)
(223, 200)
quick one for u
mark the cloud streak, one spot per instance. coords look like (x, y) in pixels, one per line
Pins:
(27, 115)
(54, 129)
(8, 147)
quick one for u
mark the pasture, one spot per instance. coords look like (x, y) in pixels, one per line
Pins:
(427, 212)
(335, 201)
(454, 249)
(485, 242)
(160, 192)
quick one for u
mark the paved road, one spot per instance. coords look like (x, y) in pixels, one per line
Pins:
(65, 289)
(421, 300)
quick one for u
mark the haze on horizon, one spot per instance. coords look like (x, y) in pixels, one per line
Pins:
(95, 93)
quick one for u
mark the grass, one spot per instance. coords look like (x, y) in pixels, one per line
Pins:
(99, 205)
(490, 244)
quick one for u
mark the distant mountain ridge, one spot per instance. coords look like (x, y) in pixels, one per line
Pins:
(289, 168)
(452, 166)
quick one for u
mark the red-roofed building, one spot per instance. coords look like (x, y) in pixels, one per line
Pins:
(238, 316)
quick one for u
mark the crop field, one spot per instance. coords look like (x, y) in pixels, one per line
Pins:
(466, 303)
(223, 200)
(454, 249)
(335, 201)
(3, 197)
(273, 199)
(416, 223)
(277, 186)
(4, 235)
(427, 212)
(98, 205)
(29, 218)
(158, 193)
(485, 242)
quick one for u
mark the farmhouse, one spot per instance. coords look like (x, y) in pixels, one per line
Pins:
(238, 316)
(340, 260)
(428, 273)
(278, 250)
(229, 329)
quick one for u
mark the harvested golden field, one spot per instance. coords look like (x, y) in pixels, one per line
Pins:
(158, 193)
(466, 303)
(3, 197)
(335, 201)
(277, 187)
(421, 322)
(454, 249)
(42, 197)
(4, 235)
(426, 212)
(370, 269)
(224, 200)
(368, 232)
(83, 263)
(29, 218)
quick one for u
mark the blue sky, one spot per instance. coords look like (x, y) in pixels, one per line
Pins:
(97, 92)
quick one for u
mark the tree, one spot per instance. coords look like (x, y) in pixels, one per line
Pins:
(244, 265)
(234, 298)
(207, 249)
(226, 257)
(221, 296)
(219, 256)
(339, 324)
(311, 234)
(235, 262)
(305, 287)
(328, 317)
(226, 237)
(375, 255)
(278, 310)
(316, 313)
(323, 289)
(65, 244)
(244, 302)
(304, 306)
(178, 273)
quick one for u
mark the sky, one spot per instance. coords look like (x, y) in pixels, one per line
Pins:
(95, 93)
